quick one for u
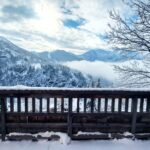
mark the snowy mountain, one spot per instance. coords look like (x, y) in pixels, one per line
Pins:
(58, 56)
(11, 54)
(20, 67)
(101, 55)
(91, 55)
(109, 56)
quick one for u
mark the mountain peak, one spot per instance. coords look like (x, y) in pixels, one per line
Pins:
(59, 50)
(3, 39)
(59, 55)
(6, 43)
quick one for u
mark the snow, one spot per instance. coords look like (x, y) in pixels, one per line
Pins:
(90, 133)
(36, 65)
(122, 144)
(64, 138)
(22, 87)
(99, 133)
(127, 134)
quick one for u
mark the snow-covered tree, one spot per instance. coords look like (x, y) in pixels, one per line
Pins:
(133, 34)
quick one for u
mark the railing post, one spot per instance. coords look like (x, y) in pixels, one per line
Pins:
(3, 124)
(134, 115)
(69, 120)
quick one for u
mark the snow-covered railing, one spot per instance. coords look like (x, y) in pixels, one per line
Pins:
(32, 110)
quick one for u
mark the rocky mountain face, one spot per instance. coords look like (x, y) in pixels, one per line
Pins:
(21, 67)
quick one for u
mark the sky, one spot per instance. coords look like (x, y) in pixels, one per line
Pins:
(46, 25)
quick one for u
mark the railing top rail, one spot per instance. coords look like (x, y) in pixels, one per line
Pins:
(25, 88)
(75, 92)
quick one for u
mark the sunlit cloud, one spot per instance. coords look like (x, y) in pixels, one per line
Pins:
(78, 25)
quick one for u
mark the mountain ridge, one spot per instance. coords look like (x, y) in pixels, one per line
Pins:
(58, 55)
(91, 55)
(21, 67)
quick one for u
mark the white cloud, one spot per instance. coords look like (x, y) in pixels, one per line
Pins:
(46, 31)
(48, 21)
(105, 70)
(96, 12)
(96, 68)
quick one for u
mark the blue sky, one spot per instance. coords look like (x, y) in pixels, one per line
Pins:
(72, 25)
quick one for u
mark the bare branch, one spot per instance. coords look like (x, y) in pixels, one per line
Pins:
(132, 34)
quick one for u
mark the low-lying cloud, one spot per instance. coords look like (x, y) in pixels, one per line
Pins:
(96, 69)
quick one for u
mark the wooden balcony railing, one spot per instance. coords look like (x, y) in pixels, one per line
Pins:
(33, 110)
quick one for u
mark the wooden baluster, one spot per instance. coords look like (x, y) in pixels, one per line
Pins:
(113, 105)
(99, 105)
(106, 104)
(48, 104)
(119, 105)
(141, 104)
(26, 105)
(78, 103)
(33, 104)
(62, 105)
(11, 104)
(126, 104)
(92, 105)
(55, 105)
(41, 105)
(19, 104)
(85, 105)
